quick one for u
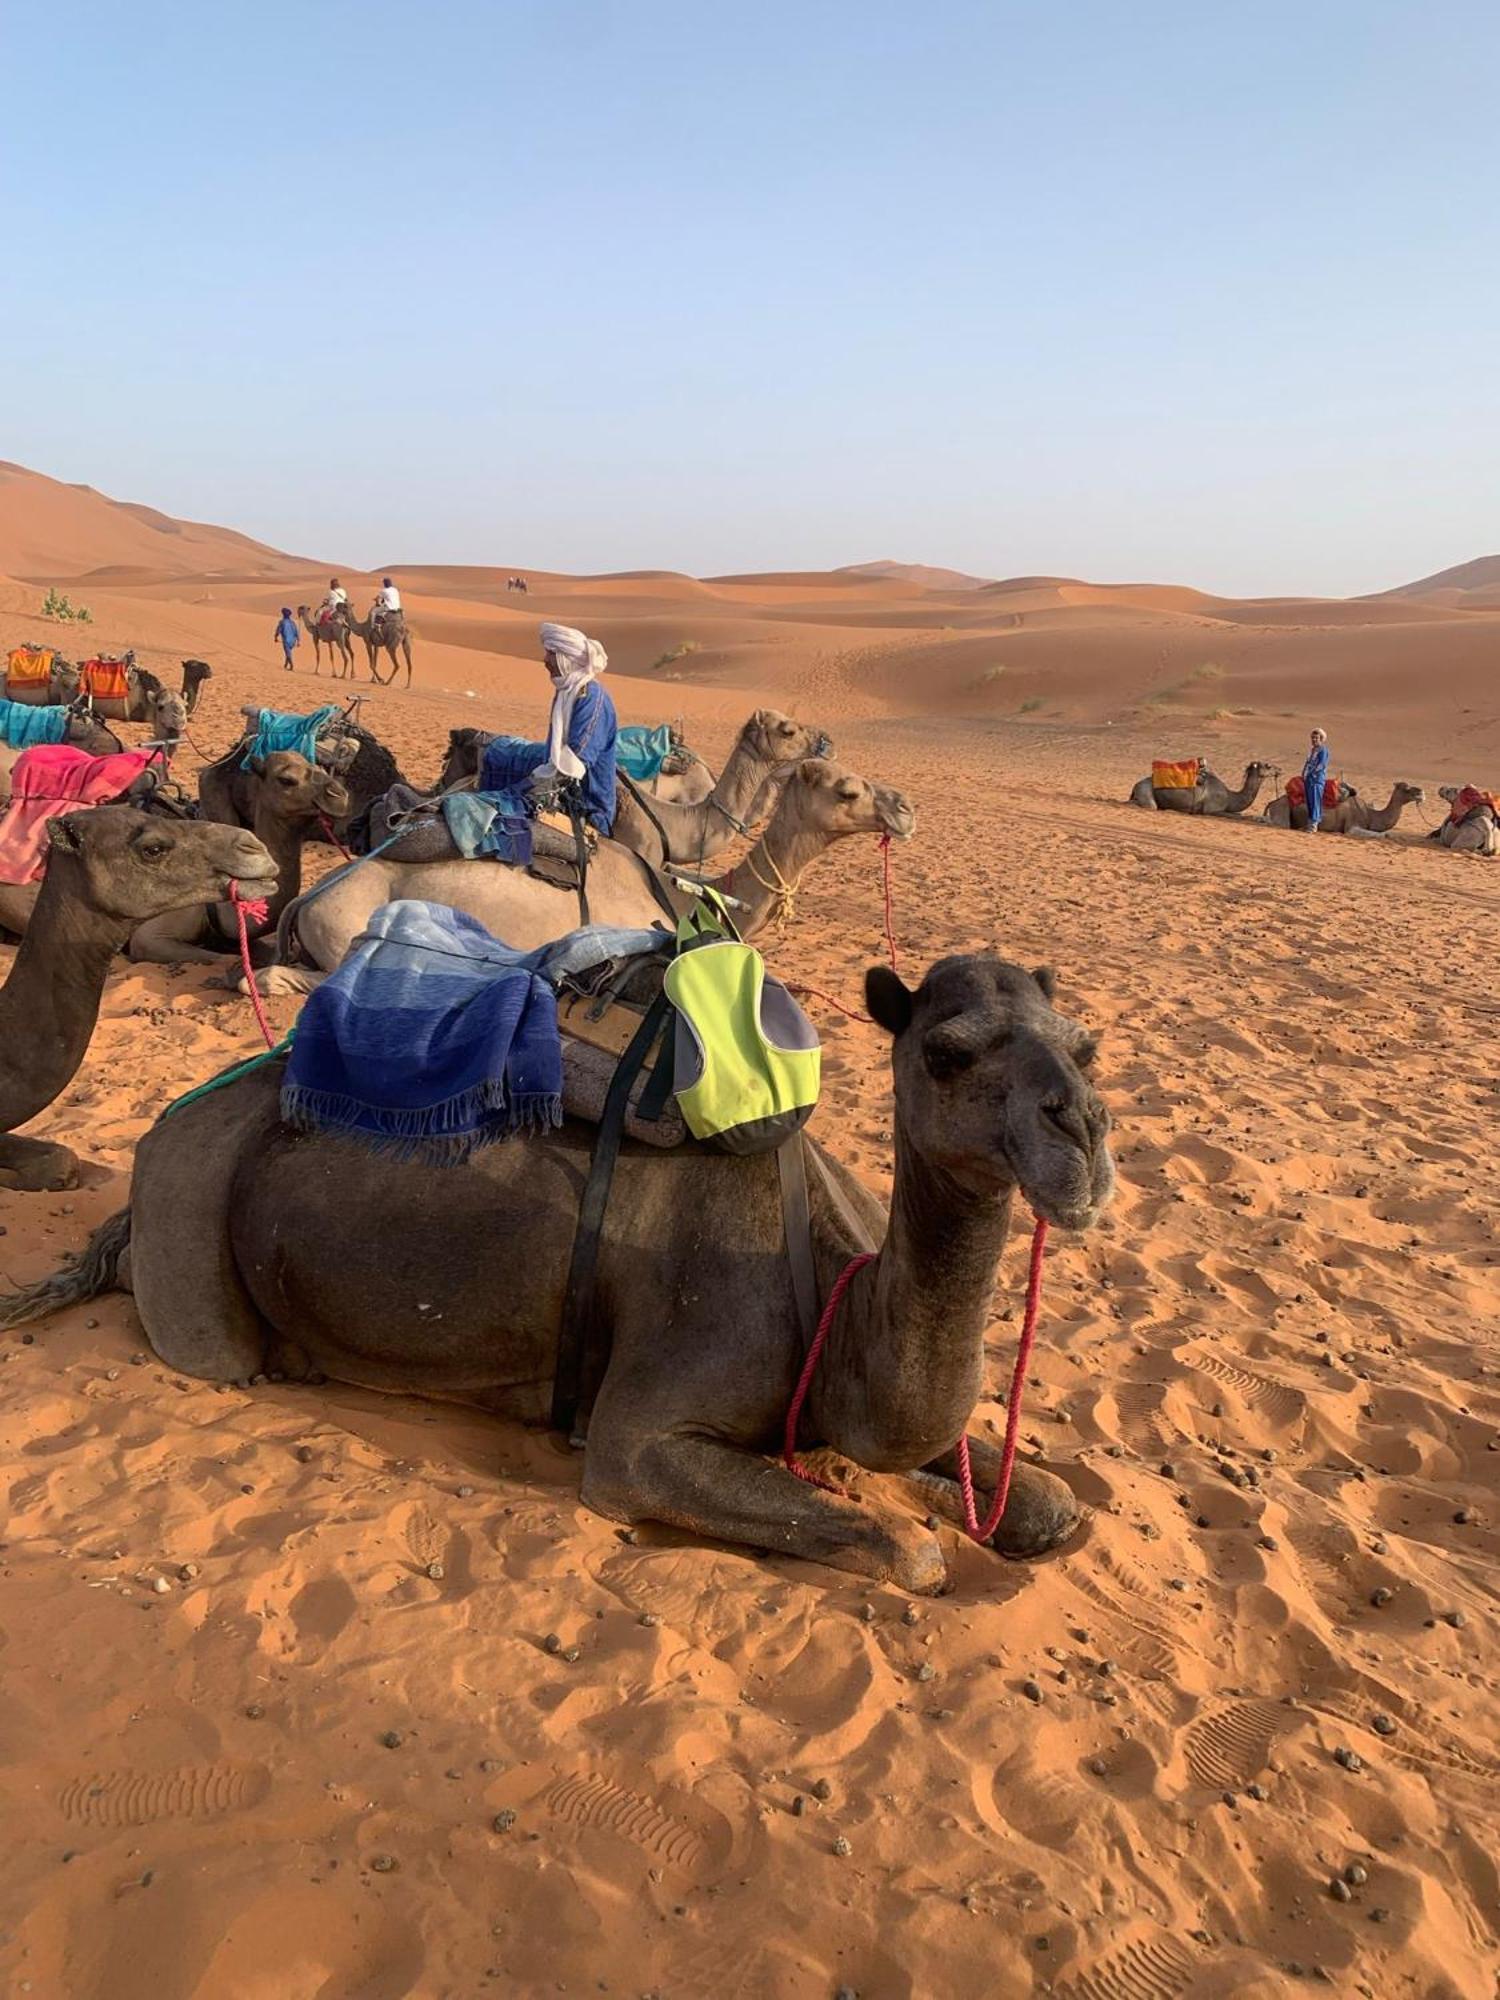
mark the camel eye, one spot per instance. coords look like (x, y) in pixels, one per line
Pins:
(850, 792)
(948, 1053)
(153, 850)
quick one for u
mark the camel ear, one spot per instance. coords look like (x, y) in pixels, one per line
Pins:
(65, 834)
(1046, 978)
(257, 767)
(810, 771)
(888, 1000)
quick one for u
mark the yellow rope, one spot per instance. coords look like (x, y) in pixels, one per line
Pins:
(781, 889)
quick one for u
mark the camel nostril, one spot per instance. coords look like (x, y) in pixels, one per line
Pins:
(1070, 1120)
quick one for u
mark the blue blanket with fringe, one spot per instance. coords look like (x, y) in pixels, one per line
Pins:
(430, 1041)
(23, 726)
(277, 730)
(640, 752)
(489, 826)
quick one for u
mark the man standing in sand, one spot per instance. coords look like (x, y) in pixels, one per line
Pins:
(287, 633)
(1314, 777)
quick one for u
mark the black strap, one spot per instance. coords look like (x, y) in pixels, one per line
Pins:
(659, 1085)
(582, 1349)
(640, 798)
(580, 841)
(796, 1223)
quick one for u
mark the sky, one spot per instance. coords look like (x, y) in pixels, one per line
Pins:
(1174, 292)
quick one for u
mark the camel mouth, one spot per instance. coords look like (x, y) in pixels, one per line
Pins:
(252, 888)
(1073, 1217)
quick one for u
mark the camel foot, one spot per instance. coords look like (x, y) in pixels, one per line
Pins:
(33, 1166)
(1041, 1513)
(277, 982)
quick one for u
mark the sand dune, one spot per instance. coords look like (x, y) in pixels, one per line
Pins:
(1273, 1374)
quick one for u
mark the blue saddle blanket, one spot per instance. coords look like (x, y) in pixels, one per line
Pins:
(277, 730)
(640, 752)
(23, 726)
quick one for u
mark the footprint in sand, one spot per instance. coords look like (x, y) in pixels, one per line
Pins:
(139, 1798)
(1152, 1967)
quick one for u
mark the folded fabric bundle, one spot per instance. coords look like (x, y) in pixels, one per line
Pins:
(23, 726)
(430, 1041)
(277, 730)
(48, 782)
(641, 752)
(489, 826)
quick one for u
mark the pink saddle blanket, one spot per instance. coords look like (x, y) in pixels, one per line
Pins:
(49, 781)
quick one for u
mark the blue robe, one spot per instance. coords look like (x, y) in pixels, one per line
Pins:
(1314, 776)
(509, 761)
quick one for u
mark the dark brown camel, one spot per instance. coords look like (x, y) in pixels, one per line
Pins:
(351, 752)
(335, 636)
(108, 870)
(290, 799)
(243, 1261)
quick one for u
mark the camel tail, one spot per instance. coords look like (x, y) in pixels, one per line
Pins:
(95, 1269)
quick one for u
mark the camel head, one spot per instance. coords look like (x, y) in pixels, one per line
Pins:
(1449, 792)
(338, 752)
(295, 792)
(1404, 794)
(465, 756)
(194, 674)
(776, 739)
(132, 865)
(69, 679)
(992, 1085)
(828, 801)
(169, 714)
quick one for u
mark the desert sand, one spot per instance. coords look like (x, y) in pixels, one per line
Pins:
(276, 1661)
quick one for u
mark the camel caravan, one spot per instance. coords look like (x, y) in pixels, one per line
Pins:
(383, 629)
(539, 1036)
(1190, 786)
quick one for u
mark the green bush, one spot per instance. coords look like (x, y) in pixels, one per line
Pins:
(55, 605)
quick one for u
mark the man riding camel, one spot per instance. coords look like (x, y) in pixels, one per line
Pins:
(387, 602)
(334, 604)
(579, 753)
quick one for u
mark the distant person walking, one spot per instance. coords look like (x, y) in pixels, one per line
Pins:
(1314, 777)
(288, 635)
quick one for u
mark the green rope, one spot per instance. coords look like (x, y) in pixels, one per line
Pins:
(231, 1075)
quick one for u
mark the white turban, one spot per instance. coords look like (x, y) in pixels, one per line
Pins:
(585, 659)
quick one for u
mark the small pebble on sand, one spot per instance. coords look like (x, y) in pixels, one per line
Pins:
(392, 1739)
(464, 1492)
(822, 1790)
(1031, 1690)
(383, 1864)
(436, 1572)
(1383, 1725)
(1381, 1596)
(552, 1644)
(1350, 1759)
(1356, 1875)
(504, 1820)
(841, 1846)
(1339, 1890)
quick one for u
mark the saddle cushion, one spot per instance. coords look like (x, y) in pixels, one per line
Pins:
(29, 665)
(105, 680)
(1296, 791)
(1179, 777)
(1470, 800)
(48, 782)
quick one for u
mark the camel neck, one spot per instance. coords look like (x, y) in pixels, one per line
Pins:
(766, 880)
(695, 831)
(50, 1003)
(282, 840)
(905, 1362)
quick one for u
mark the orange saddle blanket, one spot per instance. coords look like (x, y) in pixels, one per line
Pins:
(28, 665)
(1296, 791)
(106, 680)
(1467, 801)
(1179, 777)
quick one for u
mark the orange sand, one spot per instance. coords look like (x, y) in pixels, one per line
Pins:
(1299, 1277)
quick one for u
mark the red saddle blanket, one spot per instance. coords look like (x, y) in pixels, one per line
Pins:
(1470, 798)
(47, 782)
(1296, 791)
(106, 680)
(1181, 775)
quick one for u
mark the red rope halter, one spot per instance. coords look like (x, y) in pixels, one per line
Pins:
(248, 910)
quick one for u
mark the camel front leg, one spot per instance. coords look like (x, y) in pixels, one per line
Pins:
(728, 1494)
(35, 1166)
(1040, 1514)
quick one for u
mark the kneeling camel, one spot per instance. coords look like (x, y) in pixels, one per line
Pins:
(239, 1250)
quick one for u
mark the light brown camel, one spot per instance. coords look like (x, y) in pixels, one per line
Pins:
(81, 732)
(820, 803)
(335, 636)
(289, 799)
(384, 635)
(1352, 814)
(108, 870)
(1210, 798)
(147, 699)
(239, 1250)
(1478, 832)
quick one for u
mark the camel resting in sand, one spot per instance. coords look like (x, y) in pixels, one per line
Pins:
(820, 803)
(1352, 814)
(244, 1261)
(290, 800)
(1478, 832)
(108, 870)
(1209, 798)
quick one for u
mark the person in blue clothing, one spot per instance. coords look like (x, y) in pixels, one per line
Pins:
(287, 634)
(581, 732)
(1314, 776)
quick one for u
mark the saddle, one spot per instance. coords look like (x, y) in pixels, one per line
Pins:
(104, 679)
(1296, 791)
(27, 668)
(1185, 775)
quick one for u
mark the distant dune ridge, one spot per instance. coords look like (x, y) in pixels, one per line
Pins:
(873, 639)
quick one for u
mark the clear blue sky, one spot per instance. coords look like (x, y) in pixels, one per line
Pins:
(1175, 291)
